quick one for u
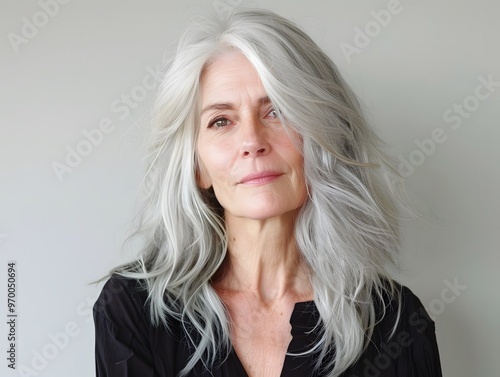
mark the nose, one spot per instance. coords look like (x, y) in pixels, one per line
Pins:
(254, 138)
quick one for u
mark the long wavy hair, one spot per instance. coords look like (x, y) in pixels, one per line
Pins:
(347, 231)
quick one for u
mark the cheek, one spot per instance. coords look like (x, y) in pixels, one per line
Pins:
(295, 161)
(289, 143)
(213, 163)
(292, 155)
(202, 176)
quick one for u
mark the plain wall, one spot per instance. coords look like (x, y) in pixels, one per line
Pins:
(421, 76)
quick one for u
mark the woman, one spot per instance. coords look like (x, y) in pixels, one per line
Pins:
(269, 226)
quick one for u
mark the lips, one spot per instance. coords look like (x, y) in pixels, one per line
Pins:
(260, 177)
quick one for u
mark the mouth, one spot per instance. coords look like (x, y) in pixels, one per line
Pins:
(260, 178)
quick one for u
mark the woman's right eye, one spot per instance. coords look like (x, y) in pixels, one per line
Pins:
(219, 123)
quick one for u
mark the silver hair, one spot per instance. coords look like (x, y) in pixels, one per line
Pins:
(347, 231)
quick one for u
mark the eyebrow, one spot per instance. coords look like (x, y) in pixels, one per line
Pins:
(229, 106)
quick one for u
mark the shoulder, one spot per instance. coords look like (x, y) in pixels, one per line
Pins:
(126, 340)
(122, 301)
(122, 327)
(404, 338)
(416, 326)
(403, 312)
(412, 315)
(122, 308)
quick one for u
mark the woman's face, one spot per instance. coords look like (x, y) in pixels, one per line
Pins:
(244, 152)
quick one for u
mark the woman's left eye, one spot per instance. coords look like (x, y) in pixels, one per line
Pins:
(272, 113)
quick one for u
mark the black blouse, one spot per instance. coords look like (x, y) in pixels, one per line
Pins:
(127, 344)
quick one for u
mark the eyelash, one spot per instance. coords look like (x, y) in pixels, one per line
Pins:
(213, 122)
(218, 119)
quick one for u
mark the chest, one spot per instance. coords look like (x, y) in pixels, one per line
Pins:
(267, 348)
(260, 337)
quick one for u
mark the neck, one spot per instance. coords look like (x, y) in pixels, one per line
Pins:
(263, 260)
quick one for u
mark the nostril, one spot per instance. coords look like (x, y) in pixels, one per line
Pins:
(253, 152)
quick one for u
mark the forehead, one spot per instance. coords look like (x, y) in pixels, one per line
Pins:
(230, 75)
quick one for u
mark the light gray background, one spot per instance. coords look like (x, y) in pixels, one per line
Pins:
(69, 74)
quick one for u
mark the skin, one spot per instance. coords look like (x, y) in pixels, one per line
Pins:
(240, 136)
